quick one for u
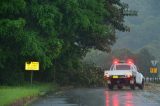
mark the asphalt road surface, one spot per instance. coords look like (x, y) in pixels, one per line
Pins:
(100, 97)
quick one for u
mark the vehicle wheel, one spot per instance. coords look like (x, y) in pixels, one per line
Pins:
(110, 86)
(132, 86)
(141, 86)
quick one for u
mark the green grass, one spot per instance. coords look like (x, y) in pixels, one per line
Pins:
(9, 95)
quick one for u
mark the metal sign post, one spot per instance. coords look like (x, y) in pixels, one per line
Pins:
(31, 77)
(32, 66)
(154, 68)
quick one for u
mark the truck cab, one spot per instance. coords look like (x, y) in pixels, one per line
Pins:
(124, 74)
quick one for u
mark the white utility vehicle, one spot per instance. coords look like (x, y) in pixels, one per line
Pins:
(124, 74)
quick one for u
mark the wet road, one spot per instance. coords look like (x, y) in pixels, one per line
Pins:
(100, 97)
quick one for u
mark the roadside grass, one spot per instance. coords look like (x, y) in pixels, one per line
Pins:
(10, 95)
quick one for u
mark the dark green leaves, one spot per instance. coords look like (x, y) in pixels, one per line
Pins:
(56, 32)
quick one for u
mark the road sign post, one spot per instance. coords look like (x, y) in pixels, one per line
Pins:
(32, 66)
(31, 77)
(154, 68)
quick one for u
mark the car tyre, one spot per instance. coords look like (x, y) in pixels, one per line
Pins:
(110, 86)
(141, 86)
(132, 86)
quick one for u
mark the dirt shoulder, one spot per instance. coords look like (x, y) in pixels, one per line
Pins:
(152, 87)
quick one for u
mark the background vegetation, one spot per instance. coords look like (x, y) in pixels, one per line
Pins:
(56, 33)
(104, 60)
(20, 95)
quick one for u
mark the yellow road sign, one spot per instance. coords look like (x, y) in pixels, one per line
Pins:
(153, 70)
(33, 66)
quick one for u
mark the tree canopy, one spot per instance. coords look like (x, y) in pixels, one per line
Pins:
(55, 32)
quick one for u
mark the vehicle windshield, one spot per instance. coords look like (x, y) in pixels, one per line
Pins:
(122, 67)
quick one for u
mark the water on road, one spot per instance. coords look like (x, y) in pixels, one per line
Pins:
(100, 97)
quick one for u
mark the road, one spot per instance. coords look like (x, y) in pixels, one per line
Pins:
(100, 97)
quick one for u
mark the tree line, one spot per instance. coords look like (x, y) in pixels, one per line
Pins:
(57, 33)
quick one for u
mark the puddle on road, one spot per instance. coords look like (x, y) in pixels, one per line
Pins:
(56, 100)
(99, 97)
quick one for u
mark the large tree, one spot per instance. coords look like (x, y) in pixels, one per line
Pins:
(49, 30)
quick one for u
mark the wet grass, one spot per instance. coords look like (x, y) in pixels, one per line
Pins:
(10, 95)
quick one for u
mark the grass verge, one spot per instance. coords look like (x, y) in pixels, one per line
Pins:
(11, 95)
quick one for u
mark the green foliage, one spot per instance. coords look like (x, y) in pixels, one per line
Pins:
(13, 94)
(143, 60)
(56, 33)
(90, 75)
(11, 8)
(85, 75)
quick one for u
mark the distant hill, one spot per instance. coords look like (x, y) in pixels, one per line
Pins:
(145, 31)
(145, 28)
